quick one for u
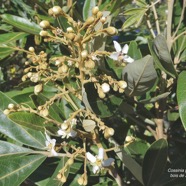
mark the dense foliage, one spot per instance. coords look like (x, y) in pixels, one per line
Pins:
(92, 92)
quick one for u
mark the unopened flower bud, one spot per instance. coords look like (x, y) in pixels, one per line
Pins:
(89, 21)
(38, 88)
(105, 87)
(103, 20)
(43, 33)
(90, 64)
(50, 12)
(128, 138)
(95, 10)
(70, 36)
(108, 133)
(70, 161)
(11, 106)
(99, 14)
(121, 90)
(57, 62)
(23, 78)
(64, 126)
(70, 29)
(122, 84)
(111, 30)
(6, 111)
(59, 176)
(31, 49)
(101, 94)
(63, 69)
(80, 180)
(84, 54)
(57, 10)
(44, 24)
(44, 112)
(63, 179)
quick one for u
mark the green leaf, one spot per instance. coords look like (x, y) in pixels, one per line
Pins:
(10, 37)
(54, 111)
(17, 132)
(15, 170)
(87, 8)
(53, 181)
(8, 149)
(5, 51)
(161, 55)
(181, 92)
(134, 20)
(140, 76)
(134, 51)
(134, 11)
(28, 120)
(154, 162)
(21, 23)
(129, 162)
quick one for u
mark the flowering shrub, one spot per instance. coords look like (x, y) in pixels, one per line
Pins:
(91, 95)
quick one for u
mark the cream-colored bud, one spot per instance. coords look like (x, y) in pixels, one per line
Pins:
(80, 180)
(99, 14)
(57, 62)
(44, 112)
(70, 29)
(89, 20)
(95, 10)
(70, 161)
(84, 54)
(31, 49)
(27, 63)
(63, 69)
(11, 106)
(35, 78)
(121, 90)
(38, 88)
(23, 78)
(43, 33)
(63, 179)
(101, 94)
(39, 107)
(78, 38)
(50, 12)
(59, 176)
(111, 30)
(29, 74)
(57, 10)
(64, 126)
(90, 64)
(105, 87)
(70, 36)
(128, 138)
(6, 111)
(115, 88)
(103, 20)
(44, 24)
(108, 133)
(122, 84)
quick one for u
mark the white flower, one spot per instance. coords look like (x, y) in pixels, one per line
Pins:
(98, 162)
(50, 145)
(105, 87)
(66, 130)
(121, 54)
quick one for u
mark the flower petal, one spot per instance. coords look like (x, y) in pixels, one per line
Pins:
(53, 142)
(72, 133)
(90, 157)
(47, 137)
(100, 154)
(61, 132)
(125, 49)
(54, 153)
(95, 169)
(107, 162)
(114, 55)
(128, 59)
(117, 46)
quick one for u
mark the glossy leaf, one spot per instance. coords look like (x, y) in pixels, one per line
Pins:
(28, 120)
(15, 170)
(8, 149)
(161, 55)
(154, 162)
(134, 51)
(21, 23)
(87, 8)
(140, 76)
(17, 132)
(181, 92)
(11, 37)
(5, 51)
(133, 11)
